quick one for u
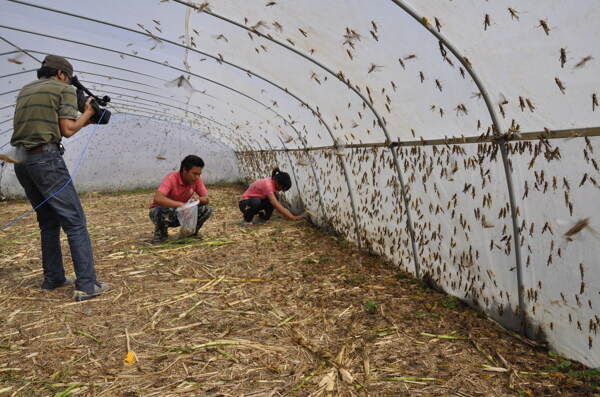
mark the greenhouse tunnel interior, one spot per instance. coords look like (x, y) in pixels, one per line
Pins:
(458, 139)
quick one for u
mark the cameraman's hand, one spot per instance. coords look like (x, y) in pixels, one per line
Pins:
(87, 107)
(69, 127)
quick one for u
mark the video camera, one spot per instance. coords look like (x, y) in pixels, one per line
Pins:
(101, 115)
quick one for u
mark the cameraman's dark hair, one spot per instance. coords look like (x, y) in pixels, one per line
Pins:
(46, 71)
(282, 178)
(191, 161)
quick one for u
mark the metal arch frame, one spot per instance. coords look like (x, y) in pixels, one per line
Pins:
(144, 113)
(401, 191)
(500, 140)
(133, 106)
(188, 111)
(287, 152)
(147, 60)
(136, 97)
(172, 67)
(321, 205)
(312, 166)
(305, 149)
(159, 63)
(19, 72)
(344, 165)
(142, 109)
(291, 166)
(9, 92)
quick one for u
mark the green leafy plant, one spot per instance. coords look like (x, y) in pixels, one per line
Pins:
(450, 302)
(370, 306)
(561, 365)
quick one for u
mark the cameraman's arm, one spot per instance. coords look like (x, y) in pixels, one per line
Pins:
(68, 127)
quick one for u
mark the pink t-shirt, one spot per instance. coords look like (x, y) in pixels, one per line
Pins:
(260, 188)
(174, 188)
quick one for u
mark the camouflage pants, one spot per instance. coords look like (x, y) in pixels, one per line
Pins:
(164, 217)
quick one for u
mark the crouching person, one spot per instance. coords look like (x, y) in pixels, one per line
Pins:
(261, 199)
(174, 191)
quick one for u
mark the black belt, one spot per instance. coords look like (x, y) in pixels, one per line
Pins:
(47, 147)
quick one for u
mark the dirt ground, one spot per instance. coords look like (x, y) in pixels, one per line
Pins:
(267, 310)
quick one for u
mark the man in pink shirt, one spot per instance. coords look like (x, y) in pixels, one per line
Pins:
(174, 191)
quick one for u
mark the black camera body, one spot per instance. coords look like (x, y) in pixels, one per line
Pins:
(101, 114)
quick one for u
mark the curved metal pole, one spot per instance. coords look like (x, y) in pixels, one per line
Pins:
(401, 192)
(131, 71)
(287, 152)
(344, 165)
(352, 200)
(145, 59)
(152, 61)
(305, 149)
(188, 111)
(501, 141)
(312, 166)
(291, 166)
(140, 109)
(140, 57)
(285, 90)
(155, 102)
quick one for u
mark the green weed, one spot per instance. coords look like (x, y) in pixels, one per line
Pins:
(450, 302)
(370, 306)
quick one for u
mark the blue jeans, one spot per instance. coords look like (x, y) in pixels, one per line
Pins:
(42, 175)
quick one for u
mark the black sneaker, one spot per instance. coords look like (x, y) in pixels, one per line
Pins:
(99, 288)
(158, 240)
(46, 287)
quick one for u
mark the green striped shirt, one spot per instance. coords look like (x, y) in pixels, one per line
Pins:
(39, 106)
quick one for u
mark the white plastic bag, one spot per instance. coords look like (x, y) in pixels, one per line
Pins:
(188, 217)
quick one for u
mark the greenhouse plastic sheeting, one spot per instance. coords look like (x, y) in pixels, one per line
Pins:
(135, 153)
(457, 138)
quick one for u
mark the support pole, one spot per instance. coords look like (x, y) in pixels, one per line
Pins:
(500, 141)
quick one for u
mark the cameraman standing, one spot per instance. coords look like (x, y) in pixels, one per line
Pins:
(46, 111)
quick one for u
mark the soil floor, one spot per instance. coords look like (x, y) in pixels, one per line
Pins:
(266, 310)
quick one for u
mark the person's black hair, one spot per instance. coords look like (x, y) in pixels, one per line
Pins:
(282, 178)
(191, 161)
(46, 71)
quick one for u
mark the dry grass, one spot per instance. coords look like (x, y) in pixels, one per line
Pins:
(269, 310)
